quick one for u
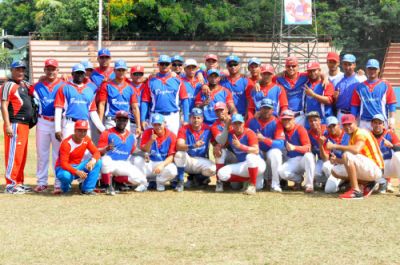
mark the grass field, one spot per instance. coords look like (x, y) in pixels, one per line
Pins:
(196, 227)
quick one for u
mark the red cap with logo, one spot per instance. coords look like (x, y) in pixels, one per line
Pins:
(267, 68)
(82, 124)
(220, 105)
(333, 56)
(291, 60)
(287, 114)
(313, 66)
(137, 69)
(211, 56)
(348, 118)
(51, 62)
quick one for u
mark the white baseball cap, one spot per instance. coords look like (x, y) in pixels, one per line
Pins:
(189, 62)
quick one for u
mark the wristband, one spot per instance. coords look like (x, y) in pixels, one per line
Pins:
(191, 146)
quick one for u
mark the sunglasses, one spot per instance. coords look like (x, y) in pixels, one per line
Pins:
(121, 70)
(177, 64)
(233, 64)
(291, 66)
(164, 64)
(137, 74)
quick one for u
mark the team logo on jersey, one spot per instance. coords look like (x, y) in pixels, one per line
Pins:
(78, 101)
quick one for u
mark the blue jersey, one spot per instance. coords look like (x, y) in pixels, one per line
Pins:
(124, 143)
(345, 88)
(297, 136)
(311, 104)
(238, 89)
(342, 139)
(162, 147)
(99, 76)
(248, 138)
(390, 136)
(191, 137)
(192, 89)
(271, 129)
(117, 96)
(274, 92)
(294, 91)
(314, 139)
(46, 94)
(138, 89)
(76, 101)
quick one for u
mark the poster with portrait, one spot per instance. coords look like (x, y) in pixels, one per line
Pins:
(298, 12)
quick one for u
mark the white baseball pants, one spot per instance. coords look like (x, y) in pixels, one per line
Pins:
(274, 162)
(172, 121)
(195, 165)
(168, 173)
(68, 128)
(227, 157)
(294, 168)
(123, 168)
(392, 166)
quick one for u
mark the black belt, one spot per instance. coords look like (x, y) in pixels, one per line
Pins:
(345, 111)
(71, 119)
(297, 114)
(165, 113)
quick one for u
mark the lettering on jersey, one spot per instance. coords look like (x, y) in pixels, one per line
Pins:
(163, 92)
(120, 152)
(77, 101)
(115, 101)
(47, 100)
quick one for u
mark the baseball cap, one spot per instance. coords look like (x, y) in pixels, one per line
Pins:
(313, 66)
(373, 63)
(82, 124)
(78, 68)
(137, 69)
(104, 52)
(189, 62)
(177, 58)
(196, 112)
(164, 59)
(232, 58)
(121, 114)
(213, 71)
(237, 118)
(348, 118)
(157, 118)
(378, 117)
(51, 62)
(211, 56)
(18, 64)
(350, 58)
(220, 105)
(267, 102)
(267, 68)
(331, 120)
(313, 114)
(333, 56)
(287, 114)
(291, 60)
(120, 64)
(87, 64)
(255, 61)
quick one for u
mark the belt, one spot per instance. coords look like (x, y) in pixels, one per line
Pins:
(297, 114)
(71, 119)
(165, 113)
(47, 118)
(344, 111)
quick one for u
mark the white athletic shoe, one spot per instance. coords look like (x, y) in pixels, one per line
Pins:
(179, 187)
(110, 190)
(160, 187)
(390, 188)
(141, 188)
(251, 190)
(10, 189)
(219, 187)
(276, 189)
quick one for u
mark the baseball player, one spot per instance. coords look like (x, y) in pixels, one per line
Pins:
(192, 149)
(217, 93)
(71, 165)
(268, 89)
(45, 92)
(16, 109)
(89, 68)
(211, 62)
(116, 95)
(300, 159)
(165, 93)
(190, 81)
(250, 167)
(374, 96)
(362, 161)
(137, 73)
(253, 66)
(117, 145)
(389, 145)
(78, 102)
(333, 62)
(271, 138)
(104, 72)
(177, 65)
(160, 144)
(345, 87)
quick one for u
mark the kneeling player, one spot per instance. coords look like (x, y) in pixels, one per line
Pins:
(117, 144)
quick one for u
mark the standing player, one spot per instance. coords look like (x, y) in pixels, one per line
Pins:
(192, 149)
(70, 164)
(165, 93)
(211, 62)
(88, 68)
(254, 68)
(190, 81)
(250, 167)
(374, 96)
(16, 109)
(177, 65)
(300, 159)
(45, 92)
(333, 62)
(104, 72)
(271, 140)
(117, 145)
(160, 144)
(362, 161)
(137, 73)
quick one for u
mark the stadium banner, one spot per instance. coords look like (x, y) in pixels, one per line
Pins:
(298, 12)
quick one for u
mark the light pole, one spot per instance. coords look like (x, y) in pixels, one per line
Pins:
(100, 25)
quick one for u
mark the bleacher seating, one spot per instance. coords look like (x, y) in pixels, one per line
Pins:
(391, 67)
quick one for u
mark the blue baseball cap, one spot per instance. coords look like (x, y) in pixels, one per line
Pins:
(331, 120)
(267, 102)
(18, 64)
(177, 58)
(78, 68)
(378, 117)
(373, 63)
(232, 58)
(120, 64)
(196, 112)
(237, 118)
(157, 118)
(87, 64)
(104, 52)
(213, 71)
(164, 59)
(350, 58)
(254, 60)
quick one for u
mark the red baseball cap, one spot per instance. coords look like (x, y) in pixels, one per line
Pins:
(51, 62)
(220, 105)
(348, 118)
(211, 56)
(291, 60)
(287, 114)
(267, 68)
(313, 66)
(122, 114)
(82, 124)
(137, 69)
(333, 56)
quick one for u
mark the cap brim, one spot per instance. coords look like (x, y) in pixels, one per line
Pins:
(287, 117)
